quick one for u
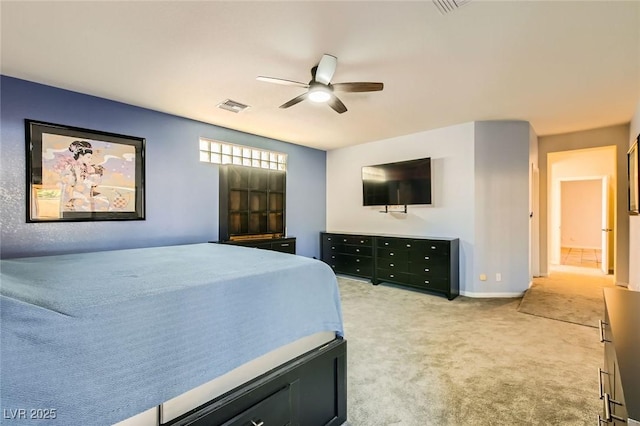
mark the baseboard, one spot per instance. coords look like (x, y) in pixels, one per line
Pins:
(491, 295)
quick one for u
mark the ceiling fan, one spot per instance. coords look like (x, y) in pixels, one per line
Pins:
(320, 88)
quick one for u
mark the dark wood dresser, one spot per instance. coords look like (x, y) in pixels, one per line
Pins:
(619, 380)
(423, 263)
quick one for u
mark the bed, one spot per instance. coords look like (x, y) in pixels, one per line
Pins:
(190, 334)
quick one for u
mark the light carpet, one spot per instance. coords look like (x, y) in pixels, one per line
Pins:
(419, 359)
(567, 296)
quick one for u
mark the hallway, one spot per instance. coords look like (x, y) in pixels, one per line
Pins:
(572, 294)
(585, 258)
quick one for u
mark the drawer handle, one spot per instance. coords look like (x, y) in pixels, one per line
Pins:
(333, 248)
(607, 409)
(386, 244)
(600, 326)
(433, 247)
(426, 281)
(345, 240)
(390, 254)
(357, 260)
(392, 265)
(426, 269)
(357, 270)
(426, 258)
(257, 424)
(408, 245)
(329, 239)
(391, 275)
(358, 250)
(361, 241)
(284, 245)
(333, 257)
(600, 384)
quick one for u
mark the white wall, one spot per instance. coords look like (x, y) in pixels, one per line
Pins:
(452, 166)
(581, 217)
(634, 221)
(502, 207)
(480, 192)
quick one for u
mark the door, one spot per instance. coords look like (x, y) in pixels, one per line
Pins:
(606, 225)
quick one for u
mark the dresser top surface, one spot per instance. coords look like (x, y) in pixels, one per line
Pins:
(414, 237)
(623, 312)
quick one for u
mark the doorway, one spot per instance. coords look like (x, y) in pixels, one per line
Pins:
(585, 228)
(581, 210)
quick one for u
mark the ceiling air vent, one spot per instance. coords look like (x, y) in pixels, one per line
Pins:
(232, 106)
(446, 6)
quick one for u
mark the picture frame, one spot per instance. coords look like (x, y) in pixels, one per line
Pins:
(633, 170)
(76, 174)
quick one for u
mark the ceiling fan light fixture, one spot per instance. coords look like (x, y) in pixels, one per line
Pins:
(319, 94)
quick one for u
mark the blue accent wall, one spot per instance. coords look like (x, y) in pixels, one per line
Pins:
(181, 192)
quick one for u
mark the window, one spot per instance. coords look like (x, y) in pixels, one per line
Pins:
(217, 152)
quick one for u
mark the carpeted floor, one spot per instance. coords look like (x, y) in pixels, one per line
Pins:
(418, 359)
(567, 296)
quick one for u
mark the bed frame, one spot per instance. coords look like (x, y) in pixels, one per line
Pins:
(309, 390)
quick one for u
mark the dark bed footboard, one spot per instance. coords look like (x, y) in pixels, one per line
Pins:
(310, 390)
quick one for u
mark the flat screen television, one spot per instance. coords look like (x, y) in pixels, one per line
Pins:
(396, 184)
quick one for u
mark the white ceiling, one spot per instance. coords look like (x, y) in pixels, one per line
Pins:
(561, 65)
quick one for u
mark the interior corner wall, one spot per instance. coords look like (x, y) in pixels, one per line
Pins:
(450, 215)
(613, 135)
(634, 221)
(502, 202)
(181, 192)
(534, 206)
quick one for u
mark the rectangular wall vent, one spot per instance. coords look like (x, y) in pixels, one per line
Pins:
(446, 6)
(232, 106)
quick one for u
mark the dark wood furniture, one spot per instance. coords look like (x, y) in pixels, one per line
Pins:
(284, 245)
(423, 263)
(310, 390)
(252, 203)
(619, 380)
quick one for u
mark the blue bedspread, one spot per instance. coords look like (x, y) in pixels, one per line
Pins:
(95, 338)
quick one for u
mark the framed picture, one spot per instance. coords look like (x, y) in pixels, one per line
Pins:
(633, 158)
(76, 174)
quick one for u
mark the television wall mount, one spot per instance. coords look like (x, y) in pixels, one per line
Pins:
(398, 209)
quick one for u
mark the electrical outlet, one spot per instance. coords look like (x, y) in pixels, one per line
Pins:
(498, 277)
(483, 277)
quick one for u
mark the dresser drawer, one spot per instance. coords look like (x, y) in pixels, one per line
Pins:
(362, 269)
(430, 269)
(393, 254)
(393, 276)
(422, 257)
(396, 265)
(273, 410)
(356, 250)
(355, 240)
(425, 247)
(430, 283)
(394, 243)
(284, 246)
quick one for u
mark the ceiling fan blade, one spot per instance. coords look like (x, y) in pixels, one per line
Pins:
(336, 104)
(357, 87)
(326, 69)
(294, 101)
(282, 81)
